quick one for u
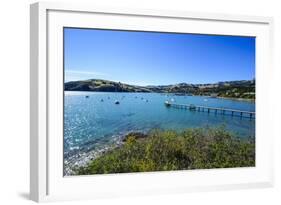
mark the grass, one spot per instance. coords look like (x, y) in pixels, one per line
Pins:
(169, 150)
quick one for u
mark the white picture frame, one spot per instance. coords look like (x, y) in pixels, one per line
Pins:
(46, 178)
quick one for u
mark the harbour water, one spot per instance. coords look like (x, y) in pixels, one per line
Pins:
(92, 120)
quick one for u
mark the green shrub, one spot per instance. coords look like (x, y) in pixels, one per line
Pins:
(169, 150)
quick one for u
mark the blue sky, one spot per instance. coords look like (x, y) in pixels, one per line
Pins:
(153, 58)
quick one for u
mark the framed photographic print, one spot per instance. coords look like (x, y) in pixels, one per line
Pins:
(128, 101)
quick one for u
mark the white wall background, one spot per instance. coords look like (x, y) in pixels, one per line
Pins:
(14, 101)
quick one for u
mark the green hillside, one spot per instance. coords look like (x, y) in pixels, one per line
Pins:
(233, 89)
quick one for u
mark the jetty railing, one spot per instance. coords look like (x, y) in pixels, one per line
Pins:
(216, 110)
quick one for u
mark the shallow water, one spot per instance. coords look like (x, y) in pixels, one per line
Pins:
(93, 122)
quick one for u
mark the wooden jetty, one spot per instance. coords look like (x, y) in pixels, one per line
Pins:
(216, 110)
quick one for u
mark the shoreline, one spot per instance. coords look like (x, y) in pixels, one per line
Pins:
(82, 160)
(83, 156)
(139, 149)
(165, 93)
(238, 99)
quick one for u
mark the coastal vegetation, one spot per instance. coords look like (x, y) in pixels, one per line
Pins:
(233, 89)
(193, 148)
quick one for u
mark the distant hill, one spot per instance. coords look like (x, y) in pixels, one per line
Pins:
(235, 89)
(103, 86)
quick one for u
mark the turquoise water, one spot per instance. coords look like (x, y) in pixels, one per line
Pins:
(90, 123)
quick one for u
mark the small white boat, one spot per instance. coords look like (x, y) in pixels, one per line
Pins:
(117, 102)
(173, 100)
(167, 103)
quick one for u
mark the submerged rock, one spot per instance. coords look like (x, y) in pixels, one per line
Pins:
(136, 135)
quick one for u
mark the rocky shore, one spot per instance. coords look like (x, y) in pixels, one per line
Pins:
(71, 164)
